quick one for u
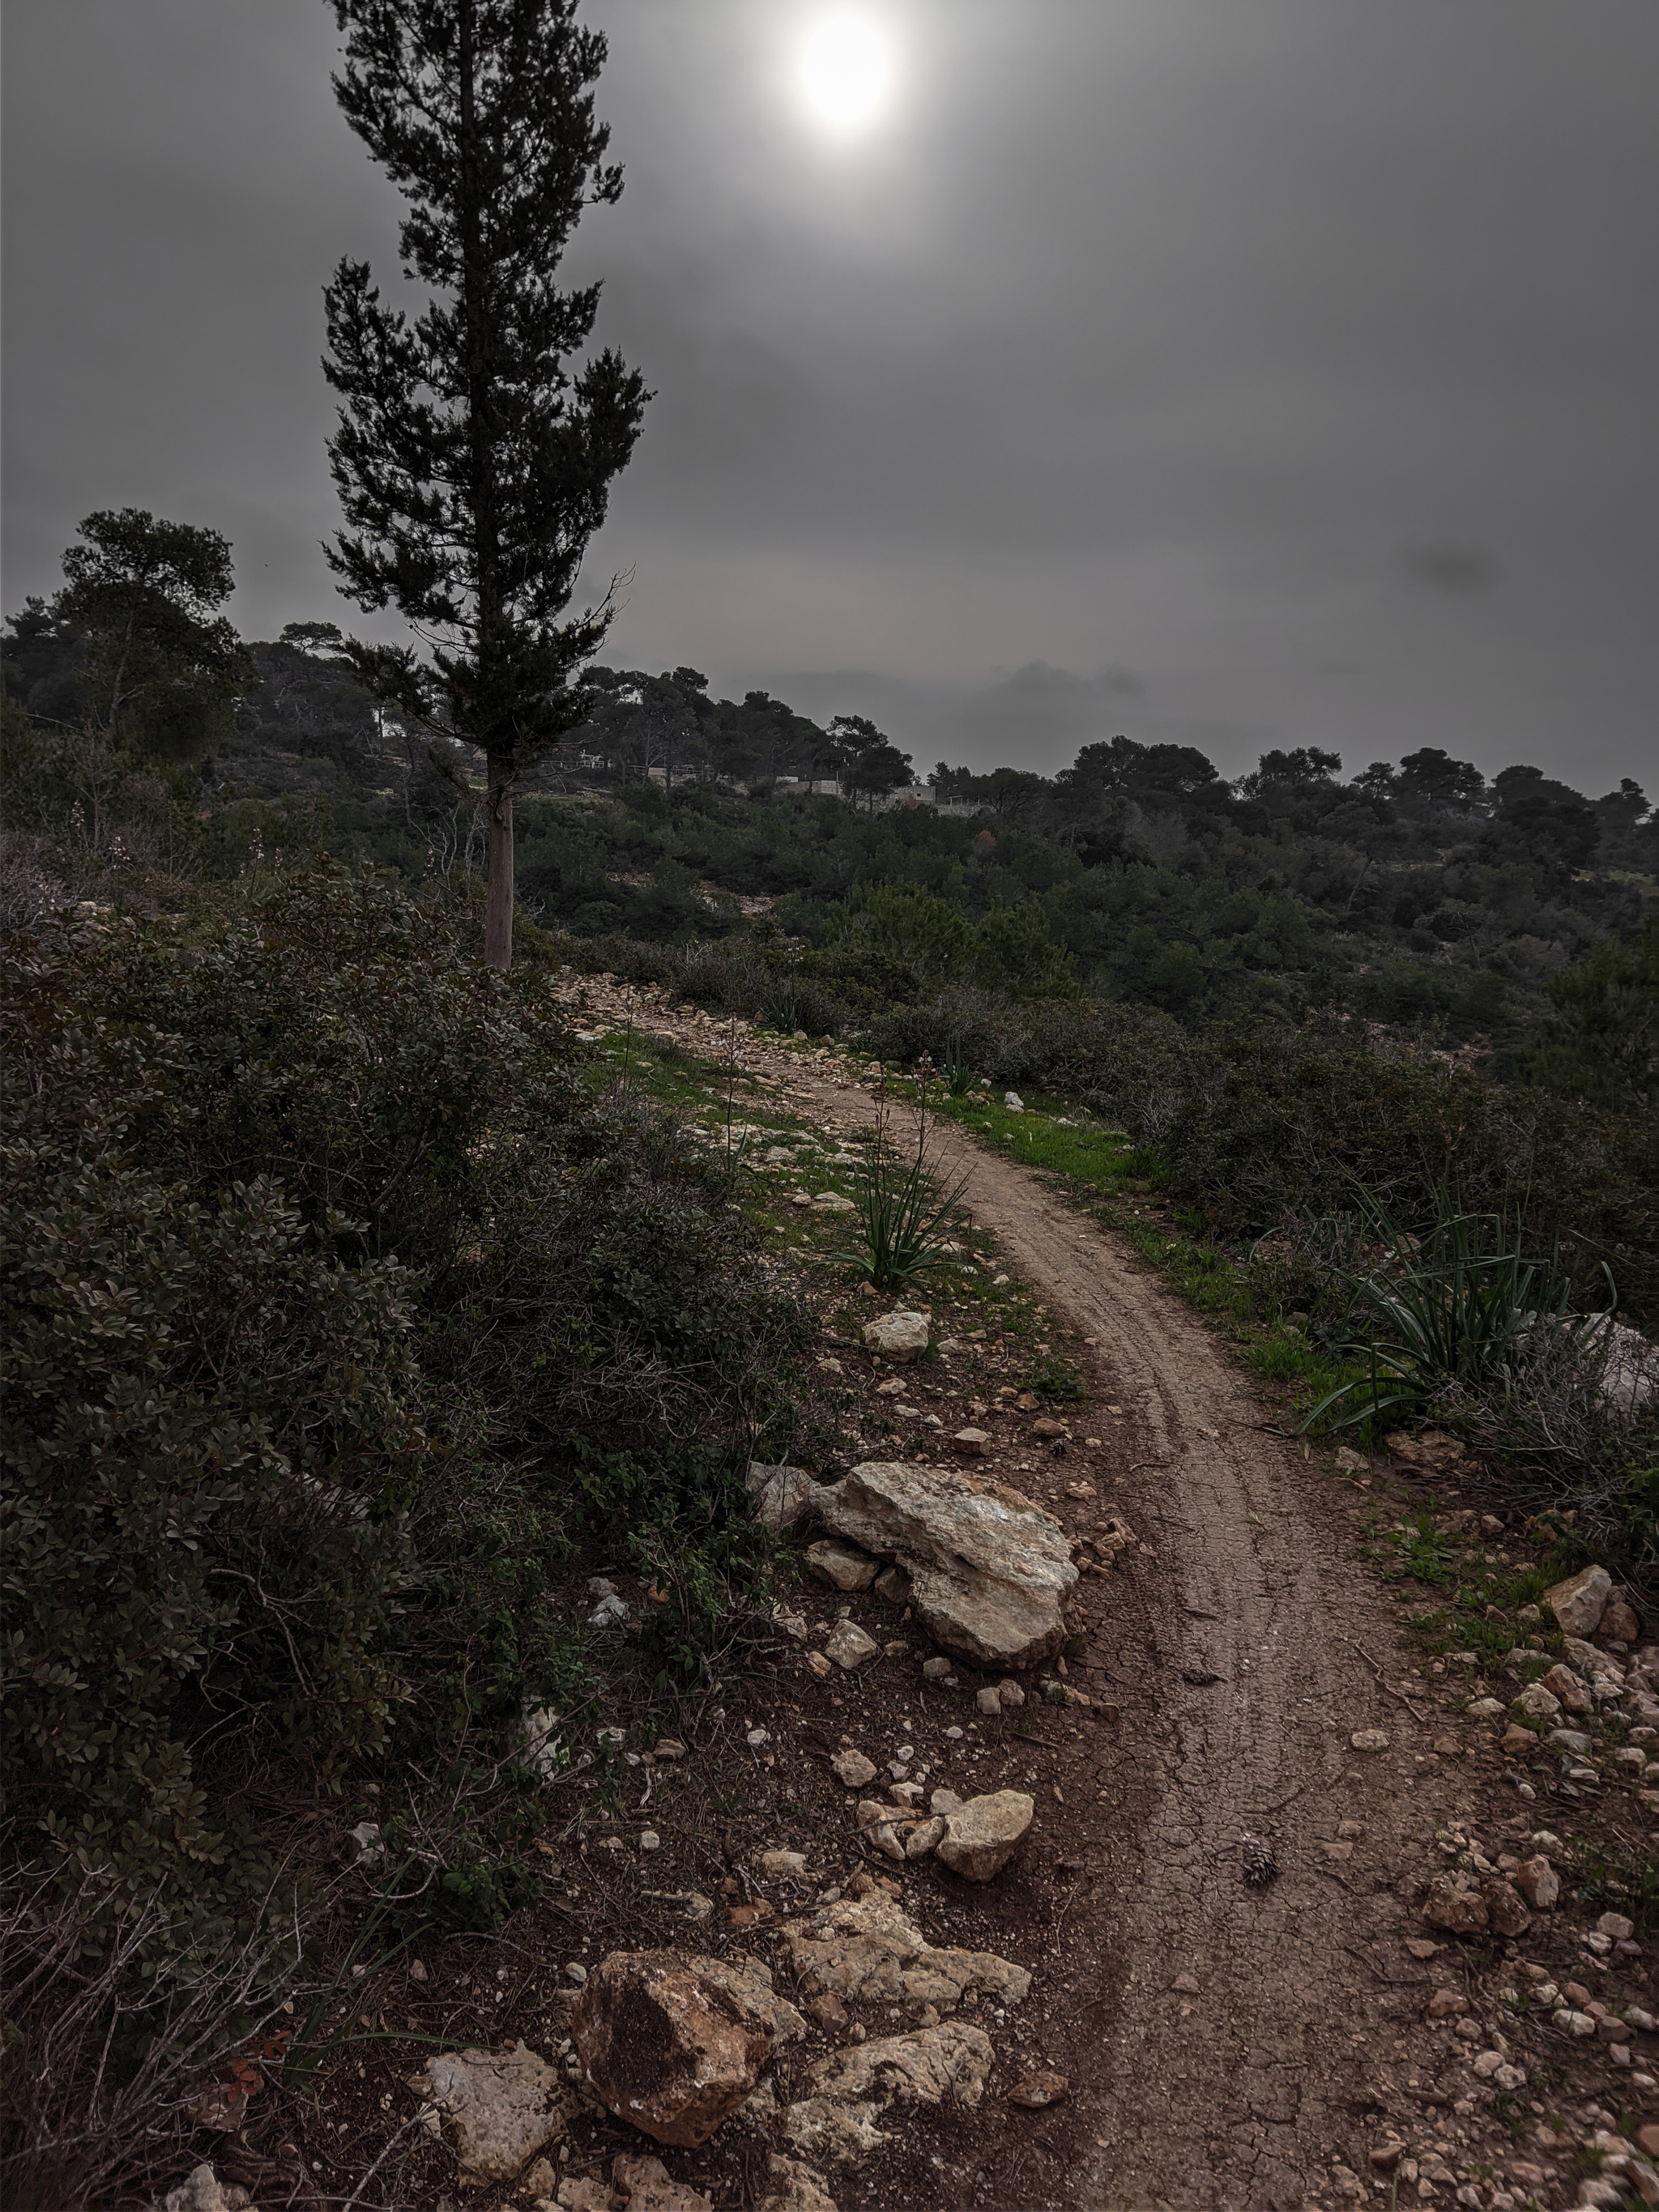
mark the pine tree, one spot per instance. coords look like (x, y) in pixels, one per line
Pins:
(163, 670)
(473, 464)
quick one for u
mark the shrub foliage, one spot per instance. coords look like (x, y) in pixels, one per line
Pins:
(333, 1295)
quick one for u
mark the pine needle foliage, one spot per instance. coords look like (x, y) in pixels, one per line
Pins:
(473, 461)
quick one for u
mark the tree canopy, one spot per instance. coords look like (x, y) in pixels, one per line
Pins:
(473, 464)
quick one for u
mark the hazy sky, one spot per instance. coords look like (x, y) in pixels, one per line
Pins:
(1252, 372)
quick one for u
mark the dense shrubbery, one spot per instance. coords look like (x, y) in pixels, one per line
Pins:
(333, 1297)
(1267, 1120)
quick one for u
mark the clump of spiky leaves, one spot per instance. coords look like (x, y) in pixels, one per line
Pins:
(905, 1200)
(1458, 1309)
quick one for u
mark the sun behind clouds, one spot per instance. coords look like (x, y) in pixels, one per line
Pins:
(846, 71)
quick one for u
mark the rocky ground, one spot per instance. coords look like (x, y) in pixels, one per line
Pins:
(1143, 1841)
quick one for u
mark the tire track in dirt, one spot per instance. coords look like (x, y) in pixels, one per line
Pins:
(1244, 2092)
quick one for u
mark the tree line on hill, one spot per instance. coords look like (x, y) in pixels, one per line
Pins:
(145, 742)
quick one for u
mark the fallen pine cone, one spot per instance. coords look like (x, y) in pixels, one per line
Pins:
(1260, 1862)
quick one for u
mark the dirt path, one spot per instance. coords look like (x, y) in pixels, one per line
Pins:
(1240, 2091)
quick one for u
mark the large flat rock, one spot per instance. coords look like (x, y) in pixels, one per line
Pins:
(674, 2045)
(504, 2106)
(864, 1949)
(989, 1572)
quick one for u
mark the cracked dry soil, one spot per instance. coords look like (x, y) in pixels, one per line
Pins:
(1241, 2093)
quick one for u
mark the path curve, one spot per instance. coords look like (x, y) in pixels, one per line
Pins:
(1246, 2091)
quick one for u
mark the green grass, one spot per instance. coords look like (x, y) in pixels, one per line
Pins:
(1115, 1181)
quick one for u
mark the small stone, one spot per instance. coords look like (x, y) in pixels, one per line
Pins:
(988, 1702)
(849, 1645)
(1537, 1702)
(1537, 1882)
(893, 1586)
(900, 1336)
(1035, 2091)
(984, 1835)
(1516, 1742)
(755, 1737)
(840, 1565)
(1371, 1739)
(880, 1825)
(1484, 1709)
(1012, 1102)
(1509, 2077)
(1447, 1747)
(819, 1665)
(829, 2014)
(650, 1840)
(504, 2107)
(972, 1444)
(945, 1801)
(1574, 2022)
(782, 1494)
(1619, 1624)
(924, 1837)
(1434, 1449)
(1387, 2156)
(852, 1770)
(1505, 1912)
(1573, 1739)
(575, 1974)
(1446, 2004)
(1453, 1905)
(645, 2185)
(1579, 1602)
(417, 1971)
(1616, 1925)
(1566, 1686)
(783, 1866)
(1419, 1948)
(367, 1851)
(1186, 1983)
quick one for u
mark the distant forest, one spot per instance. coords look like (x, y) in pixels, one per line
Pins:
(1420, 895)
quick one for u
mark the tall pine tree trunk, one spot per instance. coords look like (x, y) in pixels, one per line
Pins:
(498, 874)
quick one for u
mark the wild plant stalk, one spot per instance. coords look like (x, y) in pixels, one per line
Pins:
(732, 1160)
(104, 2049)
(904, 1202)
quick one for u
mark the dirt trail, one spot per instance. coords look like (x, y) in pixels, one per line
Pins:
(1242, 2092)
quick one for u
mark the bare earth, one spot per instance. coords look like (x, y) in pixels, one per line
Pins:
(1238, 2093)
(1230, 2048)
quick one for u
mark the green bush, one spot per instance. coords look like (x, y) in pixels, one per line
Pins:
(1270, 1121)
(330, 1286)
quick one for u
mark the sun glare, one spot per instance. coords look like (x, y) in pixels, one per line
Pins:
(845, 71)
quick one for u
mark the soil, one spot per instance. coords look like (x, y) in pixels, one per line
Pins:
(1227, 2045)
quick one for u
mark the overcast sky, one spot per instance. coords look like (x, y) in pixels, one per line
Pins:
(1250, 371)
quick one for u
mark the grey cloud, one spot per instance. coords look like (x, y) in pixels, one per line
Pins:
(1443, 565)
(1146, 328)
